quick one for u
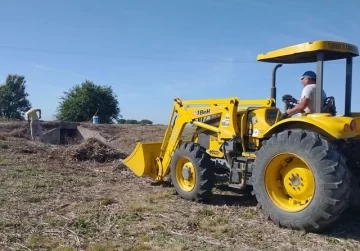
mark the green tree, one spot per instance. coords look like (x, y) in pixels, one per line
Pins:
(13, 98)
(131, 121)
(81, 102)
(121, 121)
(146, 122)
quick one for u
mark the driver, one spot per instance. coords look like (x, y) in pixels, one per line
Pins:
(307, 101)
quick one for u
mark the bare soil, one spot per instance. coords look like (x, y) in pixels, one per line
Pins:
(80, 197)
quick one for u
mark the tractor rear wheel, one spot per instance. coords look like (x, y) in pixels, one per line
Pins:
(301, 180)
(192, 172)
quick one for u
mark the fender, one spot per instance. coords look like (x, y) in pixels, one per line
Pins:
(332, 127)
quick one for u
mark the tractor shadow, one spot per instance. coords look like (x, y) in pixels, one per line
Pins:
(348, 227)
(225, 195)
(161, 183)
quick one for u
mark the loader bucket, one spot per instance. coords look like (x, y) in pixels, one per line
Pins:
(142, 161)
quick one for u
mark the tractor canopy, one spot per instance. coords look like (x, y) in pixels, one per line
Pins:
(311, 52)
(308, 52)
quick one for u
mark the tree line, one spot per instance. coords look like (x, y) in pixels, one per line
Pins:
(79, 104)
(134, 121)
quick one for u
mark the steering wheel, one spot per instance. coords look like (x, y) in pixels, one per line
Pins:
(289, 101)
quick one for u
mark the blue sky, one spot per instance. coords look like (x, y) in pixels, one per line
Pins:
(188, 49)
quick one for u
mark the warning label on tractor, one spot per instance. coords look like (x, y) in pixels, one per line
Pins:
(226, 122)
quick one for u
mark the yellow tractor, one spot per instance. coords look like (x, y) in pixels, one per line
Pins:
(300, 169)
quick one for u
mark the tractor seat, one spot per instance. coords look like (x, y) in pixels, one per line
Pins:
(329, 106)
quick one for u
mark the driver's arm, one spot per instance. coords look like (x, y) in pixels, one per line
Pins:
(303, 103)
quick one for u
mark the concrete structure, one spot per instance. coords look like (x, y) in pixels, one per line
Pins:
(86, 133)
(66, 132)
(52, 136)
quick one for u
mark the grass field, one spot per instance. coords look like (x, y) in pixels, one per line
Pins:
(50, 201)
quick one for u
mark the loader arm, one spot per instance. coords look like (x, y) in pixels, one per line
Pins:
(190, 111)
(153, 159)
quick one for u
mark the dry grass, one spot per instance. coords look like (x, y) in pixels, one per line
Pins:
(50, 204)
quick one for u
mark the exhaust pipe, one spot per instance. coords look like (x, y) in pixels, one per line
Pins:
(273, 86)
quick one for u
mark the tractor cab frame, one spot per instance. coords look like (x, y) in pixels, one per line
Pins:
(319, 52)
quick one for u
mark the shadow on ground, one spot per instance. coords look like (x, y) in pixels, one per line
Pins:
(348, 227)
(233, 200)
(236, 198)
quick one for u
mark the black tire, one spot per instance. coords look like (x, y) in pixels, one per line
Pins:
(204, 172)
(330, 173)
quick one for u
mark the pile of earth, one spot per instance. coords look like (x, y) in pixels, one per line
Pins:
(120, 141)
(90, 150)
(21, 129)
(93, 149)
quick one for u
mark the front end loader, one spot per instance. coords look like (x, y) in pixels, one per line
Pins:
(300, 169)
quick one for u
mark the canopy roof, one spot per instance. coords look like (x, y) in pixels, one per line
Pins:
(307, 52)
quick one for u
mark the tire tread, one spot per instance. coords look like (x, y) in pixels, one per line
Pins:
(205, 171)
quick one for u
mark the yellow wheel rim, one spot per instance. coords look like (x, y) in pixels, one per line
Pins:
(185, 174)
(289, 182)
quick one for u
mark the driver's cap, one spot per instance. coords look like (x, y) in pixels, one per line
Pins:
(309, 74)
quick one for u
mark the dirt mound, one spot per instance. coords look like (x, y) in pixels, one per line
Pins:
(108, 131)
(21, 129)
(16, 132)
(20, 133)
(120, 142)
(94, 149)
(7, 127)
(29, 149)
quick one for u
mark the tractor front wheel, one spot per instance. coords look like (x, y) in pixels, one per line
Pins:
(192, 172)
(301, 180)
